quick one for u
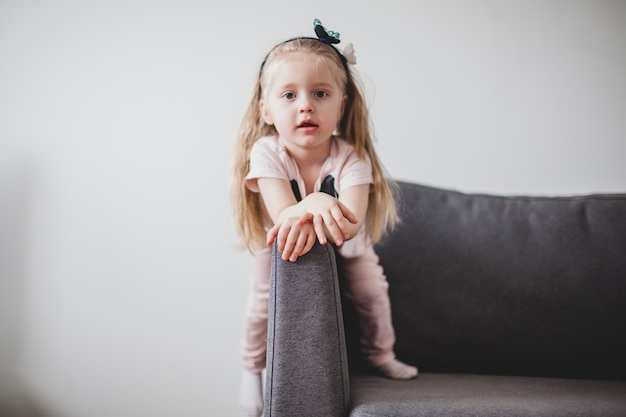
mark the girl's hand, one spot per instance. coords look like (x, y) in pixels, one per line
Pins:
(295, 237)
(328, 214)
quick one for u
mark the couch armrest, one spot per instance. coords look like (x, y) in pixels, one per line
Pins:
(307, 368)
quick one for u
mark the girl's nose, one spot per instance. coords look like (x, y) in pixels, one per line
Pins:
(305, 105)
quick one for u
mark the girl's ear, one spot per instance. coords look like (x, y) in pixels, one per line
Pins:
(265, 113)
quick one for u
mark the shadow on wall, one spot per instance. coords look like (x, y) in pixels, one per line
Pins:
(15, 187)
(19, 406)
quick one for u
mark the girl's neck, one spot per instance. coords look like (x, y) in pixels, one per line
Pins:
(310, 162)
(310, 157)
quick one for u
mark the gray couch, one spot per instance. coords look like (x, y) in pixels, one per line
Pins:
(509, 306)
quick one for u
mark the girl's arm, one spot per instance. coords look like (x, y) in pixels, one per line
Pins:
(326, 210)
(338, 219)
(295, 236)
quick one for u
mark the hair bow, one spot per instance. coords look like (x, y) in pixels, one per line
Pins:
(331, 37)
(324, 35)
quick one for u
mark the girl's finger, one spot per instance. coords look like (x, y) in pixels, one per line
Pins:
(340, 220)
(347, 213)
(272, 234)
(290, 243)
(286, 252)
(318, 226)
(298, 247)
(283, 235)
(310, 241)
(334, 231)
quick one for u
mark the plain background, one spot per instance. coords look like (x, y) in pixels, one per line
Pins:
(121, 293)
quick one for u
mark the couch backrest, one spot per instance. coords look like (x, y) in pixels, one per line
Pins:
(509, 285)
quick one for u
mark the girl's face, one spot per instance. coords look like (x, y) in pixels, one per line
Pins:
(304, 102)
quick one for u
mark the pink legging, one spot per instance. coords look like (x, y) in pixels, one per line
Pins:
(366, 287)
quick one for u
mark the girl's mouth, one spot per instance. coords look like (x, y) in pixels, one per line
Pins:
(307, 124)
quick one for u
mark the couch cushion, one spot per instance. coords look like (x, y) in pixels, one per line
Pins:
(509, 285)
(455, 395)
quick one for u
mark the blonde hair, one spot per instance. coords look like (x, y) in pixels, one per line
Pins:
(354, 127)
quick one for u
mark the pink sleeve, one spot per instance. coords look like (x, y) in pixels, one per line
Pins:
(264, 163)
(355, 172)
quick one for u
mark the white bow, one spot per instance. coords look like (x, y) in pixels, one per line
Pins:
(348, 53)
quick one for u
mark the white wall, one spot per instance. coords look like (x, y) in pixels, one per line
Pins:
(120, 292)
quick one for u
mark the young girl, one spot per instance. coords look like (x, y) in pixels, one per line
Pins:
(305, 168)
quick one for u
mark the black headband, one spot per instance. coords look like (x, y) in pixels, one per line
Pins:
(328, 37)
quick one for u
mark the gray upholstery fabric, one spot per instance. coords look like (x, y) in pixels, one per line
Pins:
(479, 285)
(509, 285)
(465, 395)
(307, 371)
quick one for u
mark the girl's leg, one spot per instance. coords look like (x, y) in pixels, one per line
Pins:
(255, 327)
(251, 394)
(254, 346)
(366, 287)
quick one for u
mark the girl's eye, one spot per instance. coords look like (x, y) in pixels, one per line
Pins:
(289, 96)
(321, 94)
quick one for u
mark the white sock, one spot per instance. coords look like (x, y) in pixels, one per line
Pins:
(251, 393)
(394, 369)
